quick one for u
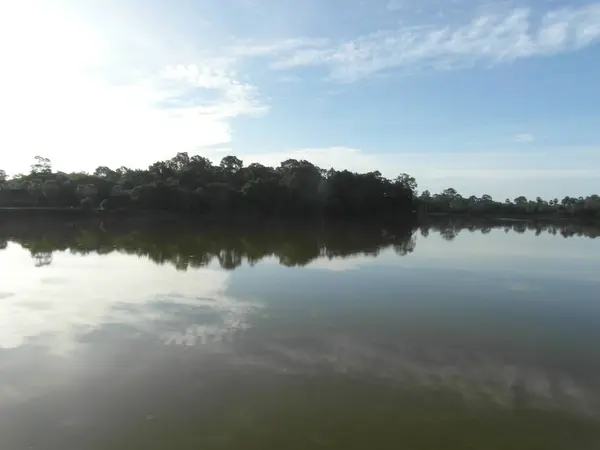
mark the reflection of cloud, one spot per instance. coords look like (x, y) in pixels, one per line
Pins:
(232, 318)
(521, 286)
(475, 377)
(203, 334)
(88, 293)
(56, 312)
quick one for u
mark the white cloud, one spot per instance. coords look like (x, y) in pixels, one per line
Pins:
(85, 124)
(236, 98)
(524, 138)
(491, 38)
(246, 48)
(73, 94)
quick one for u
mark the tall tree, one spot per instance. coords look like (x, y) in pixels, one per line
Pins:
(407, 181)
(41, 165)
(231, 164)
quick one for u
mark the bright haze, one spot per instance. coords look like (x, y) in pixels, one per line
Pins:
(485, 96)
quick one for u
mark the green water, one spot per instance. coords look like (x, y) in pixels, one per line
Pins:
(170, 335)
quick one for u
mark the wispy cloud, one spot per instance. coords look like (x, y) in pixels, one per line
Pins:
(487, 39)
(523, 138)
(246, 48)
(233, 97)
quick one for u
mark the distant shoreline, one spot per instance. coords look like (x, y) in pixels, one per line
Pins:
(502, 217)
(506, 218)
(154, 214)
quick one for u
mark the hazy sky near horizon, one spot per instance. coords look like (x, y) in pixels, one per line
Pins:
(486, 96)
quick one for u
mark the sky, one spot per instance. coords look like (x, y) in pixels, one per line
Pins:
(493, 97)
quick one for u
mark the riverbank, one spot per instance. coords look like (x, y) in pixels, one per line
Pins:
(256, 217)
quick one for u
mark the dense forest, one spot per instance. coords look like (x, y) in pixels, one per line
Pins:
(194, 184)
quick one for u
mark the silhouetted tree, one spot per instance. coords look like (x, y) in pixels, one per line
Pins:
(192, 184)
(41, 166)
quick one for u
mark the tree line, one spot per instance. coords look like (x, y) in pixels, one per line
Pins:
(450, 201)
(195, 184)
(296, 187)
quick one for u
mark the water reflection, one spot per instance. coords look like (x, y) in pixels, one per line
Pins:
(194, 245)
(139, 335)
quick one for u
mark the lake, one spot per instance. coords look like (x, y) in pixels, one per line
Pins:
(171, 335)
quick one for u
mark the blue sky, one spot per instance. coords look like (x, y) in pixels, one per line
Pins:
(496, 97)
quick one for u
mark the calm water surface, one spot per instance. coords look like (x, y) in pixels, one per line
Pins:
(173, 336)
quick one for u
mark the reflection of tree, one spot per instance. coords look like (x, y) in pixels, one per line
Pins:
(42, 259)
(230, 258)
(188, 244)
(521, 228)
(406, 247)
(449, 234)
(448, 227)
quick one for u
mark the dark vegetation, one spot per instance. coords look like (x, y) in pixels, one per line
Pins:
(195, 185)
(185, 244)
(451, 202)
(192, 184)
